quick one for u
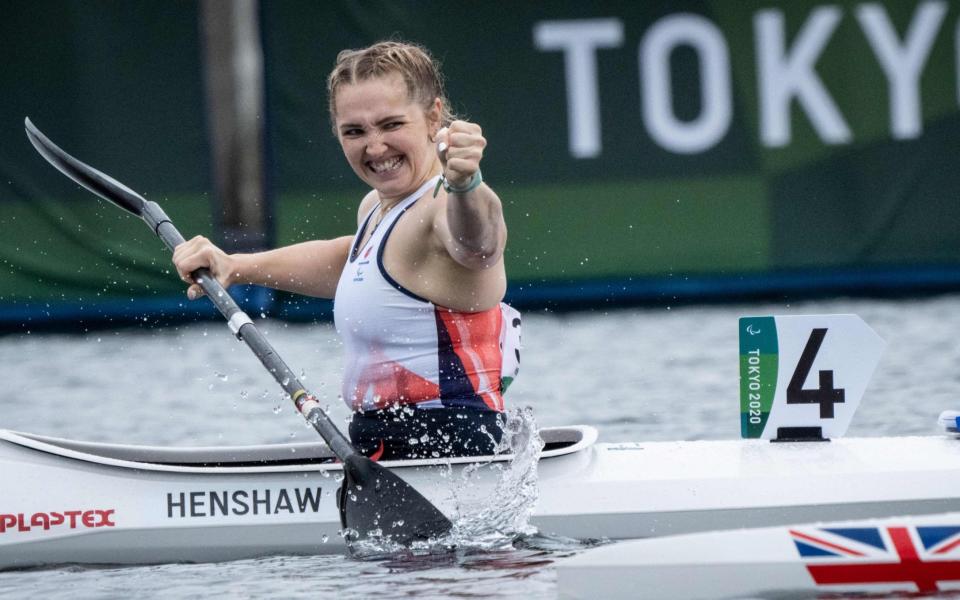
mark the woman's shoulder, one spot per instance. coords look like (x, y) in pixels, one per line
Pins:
(366, 205)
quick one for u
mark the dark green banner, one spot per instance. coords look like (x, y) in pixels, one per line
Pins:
(648, 139)
(119, 85)
(642, 149)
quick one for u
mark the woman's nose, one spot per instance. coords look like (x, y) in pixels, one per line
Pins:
(376, 146)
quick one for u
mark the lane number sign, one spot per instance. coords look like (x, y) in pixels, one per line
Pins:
(804, 371)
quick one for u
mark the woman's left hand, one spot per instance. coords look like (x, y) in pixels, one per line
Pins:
(464, 143)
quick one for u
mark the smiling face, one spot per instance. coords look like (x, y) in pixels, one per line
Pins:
(386, 137)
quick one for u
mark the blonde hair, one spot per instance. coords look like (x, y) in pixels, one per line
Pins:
(414, 63)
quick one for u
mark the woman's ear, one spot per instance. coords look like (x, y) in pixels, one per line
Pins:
(434, 118)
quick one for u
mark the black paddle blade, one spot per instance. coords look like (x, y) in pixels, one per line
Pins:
(99, 183)
(372, 499)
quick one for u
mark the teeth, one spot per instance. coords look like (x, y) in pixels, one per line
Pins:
(386, 165)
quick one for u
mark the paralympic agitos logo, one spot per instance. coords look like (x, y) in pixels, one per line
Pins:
(68, 519)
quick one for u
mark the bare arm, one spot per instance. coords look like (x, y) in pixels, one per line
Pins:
(311, 268)
(471, 228)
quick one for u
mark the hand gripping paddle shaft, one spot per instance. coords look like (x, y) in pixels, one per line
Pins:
(371, 497)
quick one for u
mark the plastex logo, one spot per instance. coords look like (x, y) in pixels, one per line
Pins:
(68, 519)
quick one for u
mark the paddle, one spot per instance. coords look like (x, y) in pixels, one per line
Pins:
(371, 497)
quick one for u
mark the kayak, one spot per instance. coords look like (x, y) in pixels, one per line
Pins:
(67, 501)
(902, 555)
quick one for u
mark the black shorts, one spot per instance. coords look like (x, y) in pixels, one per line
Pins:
(410, 432)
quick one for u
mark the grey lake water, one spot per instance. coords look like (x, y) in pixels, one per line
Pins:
(664, 373)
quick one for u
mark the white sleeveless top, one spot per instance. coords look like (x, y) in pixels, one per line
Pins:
(402, 349)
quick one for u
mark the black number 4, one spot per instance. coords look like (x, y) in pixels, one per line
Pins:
(825, 395)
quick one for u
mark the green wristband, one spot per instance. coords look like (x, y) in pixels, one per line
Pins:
(473, 184)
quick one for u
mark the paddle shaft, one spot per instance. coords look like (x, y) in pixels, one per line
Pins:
(241, 324)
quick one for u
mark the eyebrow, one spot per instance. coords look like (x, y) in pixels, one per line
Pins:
(382, 121)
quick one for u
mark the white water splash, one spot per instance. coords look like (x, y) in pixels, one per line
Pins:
(488, 514)
(502, 514)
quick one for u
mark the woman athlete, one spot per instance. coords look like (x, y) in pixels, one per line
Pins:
(417, 289)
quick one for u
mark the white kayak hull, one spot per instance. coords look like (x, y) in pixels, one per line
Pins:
(74, 502)
(898, 555)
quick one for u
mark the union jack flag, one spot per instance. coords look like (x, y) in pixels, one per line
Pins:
(924, 556)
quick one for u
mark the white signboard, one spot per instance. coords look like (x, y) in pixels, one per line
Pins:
(800, 373)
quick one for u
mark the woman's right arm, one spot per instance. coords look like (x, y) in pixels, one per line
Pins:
(312, 268)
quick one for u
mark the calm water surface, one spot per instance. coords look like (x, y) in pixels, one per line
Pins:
(642, 374)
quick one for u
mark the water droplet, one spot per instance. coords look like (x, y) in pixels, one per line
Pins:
(324, 538)
(413, 441)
